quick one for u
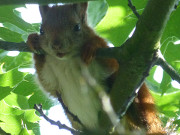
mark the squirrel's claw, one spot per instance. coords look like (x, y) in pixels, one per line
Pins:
(33, 43)
(88, 53)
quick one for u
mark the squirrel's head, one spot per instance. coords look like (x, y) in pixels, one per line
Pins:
(64, 29)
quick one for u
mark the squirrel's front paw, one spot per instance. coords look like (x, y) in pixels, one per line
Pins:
(88, 53)
(33, 43)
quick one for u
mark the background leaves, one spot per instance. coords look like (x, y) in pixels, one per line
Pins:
(119, 21)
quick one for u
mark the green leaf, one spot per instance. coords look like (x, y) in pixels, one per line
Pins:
(172, 27)
(119, 21)
(14, 28)
(7, 110)
(1, 68)
(24, 131)
(166, 82)
(27, 86)
(7, 15)
(18, 101)
(171, 51)
(160, 88)
(34, 127)
(171, 34)
(40, 98)
(11, 78)
(22, 60)
(31, 116)
(168, 102)
(4, 91)
(11, 125)
(152, 84)
(11, 118)
(95, 16)
(9, 35)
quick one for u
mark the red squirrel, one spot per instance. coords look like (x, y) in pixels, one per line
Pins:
(69, 60)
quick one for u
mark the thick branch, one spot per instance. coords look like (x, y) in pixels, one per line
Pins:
(23, 47)
(11, 46)
(139, 52)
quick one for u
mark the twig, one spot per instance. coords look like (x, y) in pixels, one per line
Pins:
(169, 69)
(133, 8)
(131, 97)
(57, 123)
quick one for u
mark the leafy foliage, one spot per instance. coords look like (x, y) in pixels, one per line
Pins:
(119, 21)
(19, 92)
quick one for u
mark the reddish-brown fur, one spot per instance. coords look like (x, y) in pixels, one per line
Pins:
(145, 113)
(142, 113)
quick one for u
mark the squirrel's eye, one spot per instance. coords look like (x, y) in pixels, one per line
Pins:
(77, 27)
(41, 31)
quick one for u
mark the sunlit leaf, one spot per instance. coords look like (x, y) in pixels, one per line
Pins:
(18, 101)
(168, 102)
(24, 131)
(119, 21)
(22, 60)
(30, 116)
(14, 28)
(17, 119)
(11, 78)
(172, 26)
(29, 87)
(11, 118)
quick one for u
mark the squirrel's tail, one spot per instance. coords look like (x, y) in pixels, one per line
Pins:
(143, 114)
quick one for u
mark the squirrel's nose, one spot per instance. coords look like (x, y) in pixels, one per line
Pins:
(56, 44)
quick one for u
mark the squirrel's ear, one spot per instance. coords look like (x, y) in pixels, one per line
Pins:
(43, 10)
(81, 9)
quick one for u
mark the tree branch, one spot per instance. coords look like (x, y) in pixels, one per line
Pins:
(160, 61)
(23, 47)
(139, 52)
(133, 8)
(57, 123)
(169, 69)
(11, 46)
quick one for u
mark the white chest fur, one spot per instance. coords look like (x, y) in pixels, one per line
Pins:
(69, 79)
